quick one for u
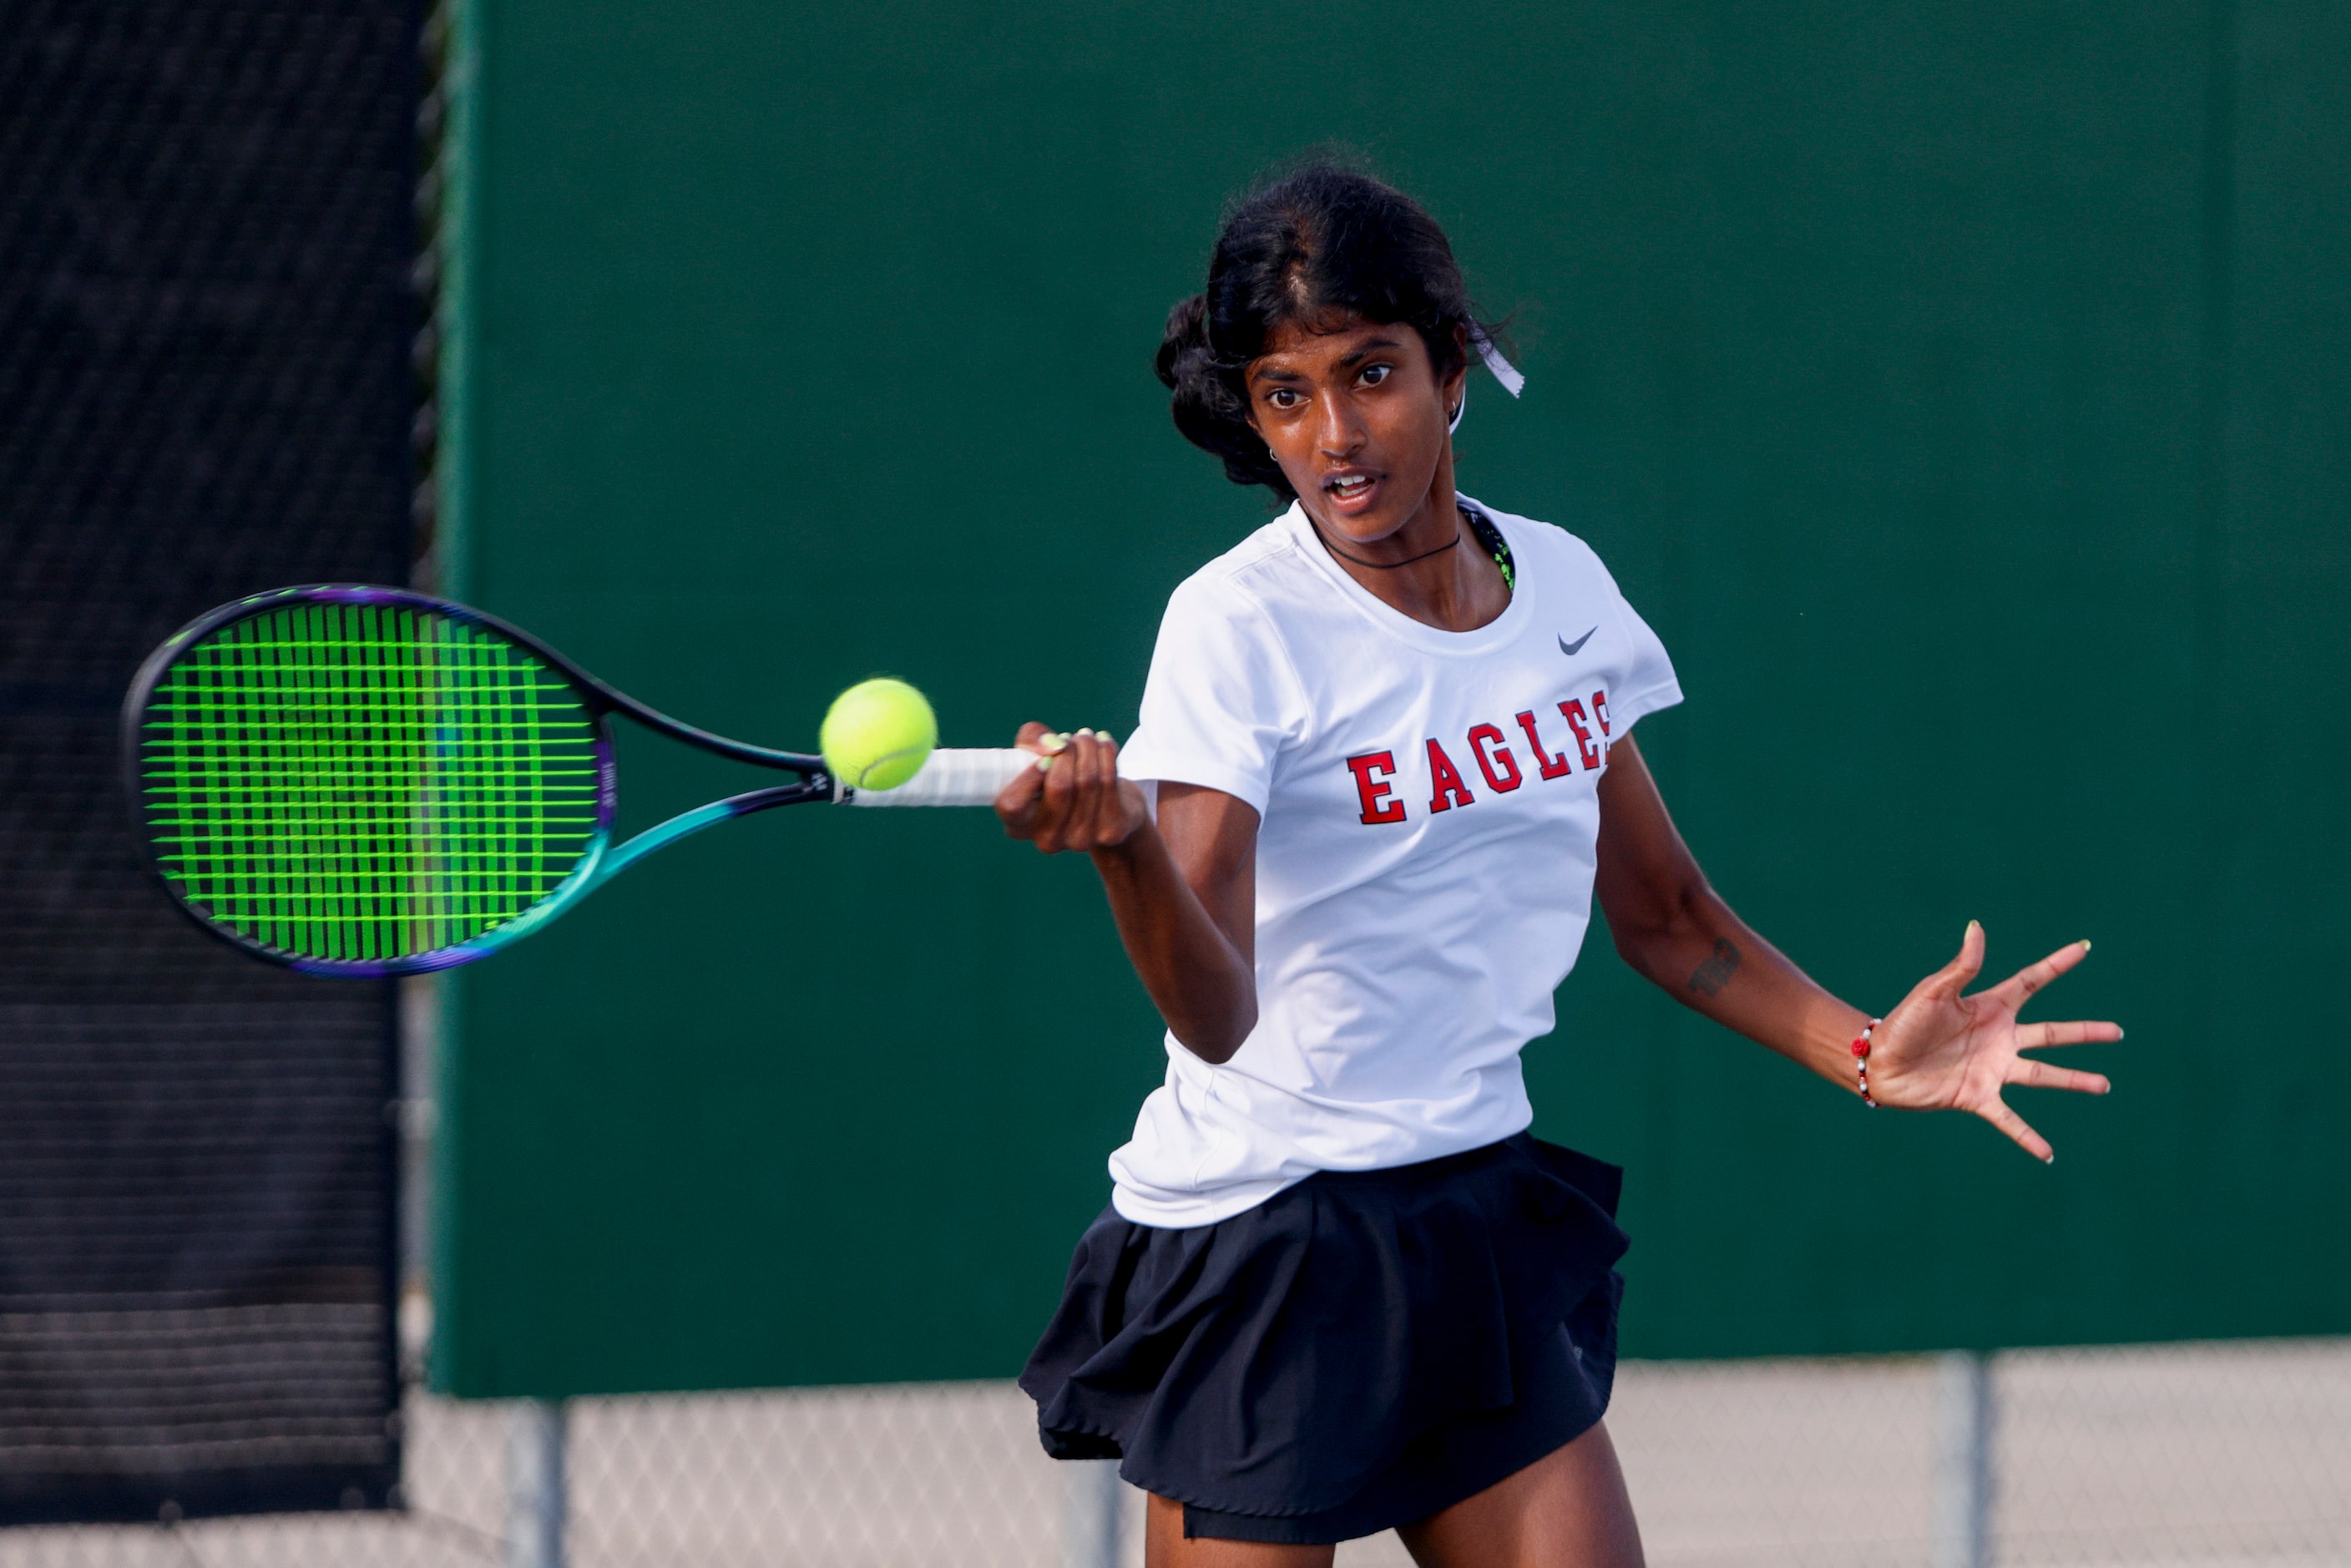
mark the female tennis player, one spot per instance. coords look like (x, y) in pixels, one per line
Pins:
(1385, 760)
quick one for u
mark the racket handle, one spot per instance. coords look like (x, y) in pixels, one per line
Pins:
(953, 776)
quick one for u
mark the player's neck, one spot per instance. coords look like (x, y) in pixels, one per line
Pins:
(1454, 586)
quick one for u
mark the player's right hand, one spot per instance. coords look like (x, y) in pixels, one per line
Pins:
(1074, 798)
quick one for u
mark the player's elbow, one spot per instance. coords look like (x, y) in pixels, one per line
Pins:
(1648, 934)
(1214, 1040)
(1639, 946)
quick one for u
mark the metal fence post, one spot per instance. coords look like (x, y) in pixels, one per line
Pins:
(1092, 1531)
(535, 1498)
(1964, 1419)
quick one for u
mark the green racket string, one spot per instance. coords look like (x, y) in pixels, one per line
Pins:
(365, 782)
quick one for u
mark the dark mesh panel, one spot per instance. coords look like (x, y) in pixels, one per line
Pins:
(206, 232)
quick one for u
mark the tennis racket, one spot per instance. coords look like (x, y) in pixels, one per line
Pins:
(366, 781)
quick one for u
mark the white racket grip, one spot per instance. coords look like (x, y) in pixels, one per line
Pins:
(953, 776)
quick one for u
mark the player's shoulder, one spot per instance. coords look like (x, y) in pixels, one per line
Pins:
(1252, 580)
(1267, 556)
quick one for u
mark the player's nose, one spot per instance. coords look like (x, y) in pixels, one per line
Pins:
(1338, 434)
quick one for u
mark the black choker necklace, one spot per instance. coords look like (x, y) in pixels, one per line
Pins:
(1488, 535)
(1382, 565)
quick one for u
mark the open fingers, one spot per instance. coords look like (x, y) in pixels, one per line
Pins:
(2017, 987)
(2034, 1035)
(1953, 978)
(2034, 1074)
(2008, 1122)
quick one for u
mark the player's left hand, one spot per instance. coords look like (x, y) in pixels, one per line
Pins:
(1942, 1050)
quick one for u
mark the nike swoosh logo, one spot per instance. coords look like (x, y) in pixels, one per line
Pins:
(1573, 649)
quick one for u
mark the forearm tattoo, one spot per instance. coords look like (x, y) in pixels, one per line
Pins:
(1715, 973)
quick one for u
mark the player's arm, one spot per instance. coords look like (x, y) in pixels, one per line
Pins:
(1676, 931)
(1183, 890)
(1942, 1048)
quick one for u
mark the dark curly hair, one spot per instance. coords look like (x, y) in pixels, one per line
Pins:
(1314, 245)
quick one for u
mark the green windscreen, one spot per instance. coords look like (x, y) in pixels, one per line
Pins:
(1962, 389)
(358, 783)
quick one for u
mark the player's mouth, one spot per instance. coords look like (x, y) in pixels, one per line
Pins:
(1351, 490)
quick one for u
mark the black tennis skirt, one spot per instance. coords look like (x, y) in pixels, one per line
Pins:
(1361, 1350)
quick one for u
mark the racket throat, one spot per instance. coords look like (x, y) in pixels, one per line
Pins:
(688, 823)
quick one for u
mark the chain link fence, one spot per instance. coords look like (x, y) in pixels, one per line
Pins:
(2197, 1456)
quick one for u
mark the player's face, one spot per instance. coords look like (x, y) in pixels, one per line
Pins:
(1356, 417)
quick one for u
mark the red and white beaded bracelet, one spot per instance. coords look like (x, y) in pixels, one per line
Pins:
(1861, 1060)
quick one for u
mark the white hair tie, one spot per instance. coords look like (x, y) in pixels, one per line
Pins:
(1513, 379)
(1504, 372)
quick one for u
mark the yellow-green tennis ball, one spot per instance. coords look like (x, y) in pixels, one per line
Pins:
(877, 733)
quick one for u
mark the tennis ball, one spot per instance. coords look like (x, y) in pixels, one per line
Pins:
(877, 733)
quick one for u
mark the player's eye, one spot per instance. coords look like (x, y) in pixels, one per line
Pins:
(1375, 374)
(1285, 397)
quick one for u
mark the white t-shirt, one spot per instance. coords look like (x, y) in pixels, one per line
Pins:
(1424, 861)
